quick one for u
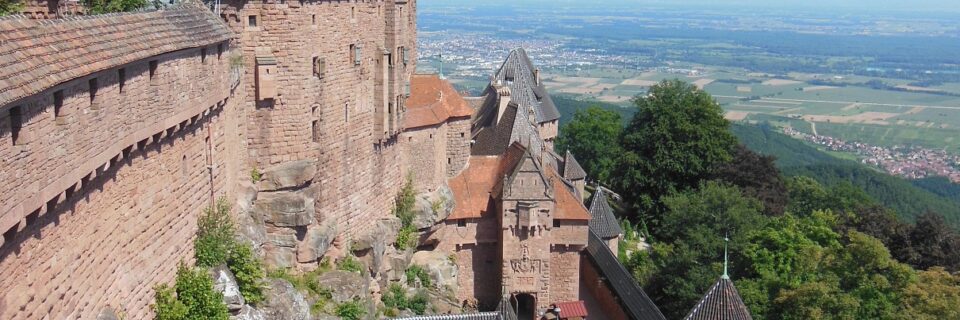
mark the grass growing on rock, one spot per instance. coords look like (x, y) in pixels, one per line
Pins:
(404, 209)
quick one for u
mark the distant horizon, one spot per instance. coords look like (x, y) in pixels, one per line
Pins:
(865, 6)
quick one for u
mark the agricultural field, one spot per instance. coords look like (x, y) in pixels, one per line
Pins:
(880, 111)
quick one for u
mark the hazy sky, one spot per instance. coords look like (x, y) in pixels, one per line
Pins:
(865, 5)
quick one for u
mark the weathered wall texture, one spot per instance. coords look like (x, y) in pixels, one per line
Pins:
(157, 154)
(425, 156)
(326, 106)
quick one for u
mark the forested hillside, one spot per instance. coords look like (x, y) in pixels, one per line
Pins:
(908, 199)
(810, 236)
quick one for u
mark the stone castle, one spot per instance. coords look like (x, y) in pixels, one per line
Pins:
(117, 130)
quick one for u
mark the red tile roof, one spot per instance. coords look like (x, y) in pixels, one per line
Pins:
(572, 309)
(475, 187)
(433, 101)
(39, 54)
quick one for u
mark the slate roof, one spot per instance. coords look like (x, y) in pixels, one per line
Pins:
(39, 54)
(603, 222)
(572, 169)
(721, 302)
(517, 71)
(433, 101)
(635, 303)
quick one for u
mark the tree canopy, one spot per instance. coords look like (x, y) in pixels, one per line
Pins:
(593, 137)
(827, 241)
(676, 138)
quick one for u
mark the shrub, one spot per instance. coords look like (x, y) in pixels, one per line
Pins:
(406, 200)
(195, 291)
(214, 235)
(248, 271)
(352, 310)
(418, 304)
(406, 238)
(110, 6)
(417, 272)
(396, 299)
(350, 264)
(166, 305)
(255, 174)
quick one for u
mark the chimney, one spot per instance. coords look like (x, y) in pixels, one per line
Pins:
(503, 99)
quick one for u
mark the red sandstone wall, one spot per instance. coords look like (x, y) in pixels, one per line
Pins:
(595, 286)
(425, 156)
(564, 274)
(156, 155)
(458, 146)
(359, 169)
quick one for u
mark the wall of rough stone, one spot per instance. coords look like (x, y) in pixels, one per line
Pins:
(134, 168)
(425, 156)
(458, 146)
(564, 273)
(595, 286)
(331, 118)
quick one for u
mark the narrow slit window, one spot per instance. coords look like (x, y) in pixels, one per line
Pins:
(57, 103)
(313, 127)
(93, 89)
(16, 123)
(219, 51)
(122, 78)
(203, 55)
(153, 68)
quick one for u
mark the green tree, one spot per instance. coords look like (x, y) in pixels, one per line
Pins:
(215, 235)
(166, 306)
(936, 295)
(10, 7)
(758, 177)
(593, 136)
(676, 139)
(691, 259)
(110, 6)
(195, 290)
(249, 272)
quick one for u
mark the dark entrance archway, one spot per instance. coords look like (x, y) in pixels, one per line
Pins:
(526, 306)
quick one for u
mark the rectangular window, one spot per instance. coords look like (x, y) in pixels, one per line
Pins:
(93, 89)
(357, 55)
(203, 55)
(404, 54)
(252, 21)
(556, 223)
(219, 51)
(57, 102)
(16, 123)
(462, 223)
(153, 68)
(122, 78)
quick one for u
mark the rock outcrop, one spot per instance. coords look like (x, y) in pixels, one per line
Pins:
(443, 272)
(433, 207)
(225, 283)
(284, 302)
(288, 175)
(344, 286)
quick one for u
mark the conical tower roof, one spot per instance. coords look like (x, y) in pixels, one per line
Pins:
(722, 302)
(602, 220)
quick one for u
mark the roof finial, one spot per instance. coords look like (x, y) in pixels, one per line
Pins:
(726, 240)
(441, 63)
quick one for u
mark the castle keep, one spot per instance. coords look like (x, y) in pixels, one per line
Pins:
(117, 130)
